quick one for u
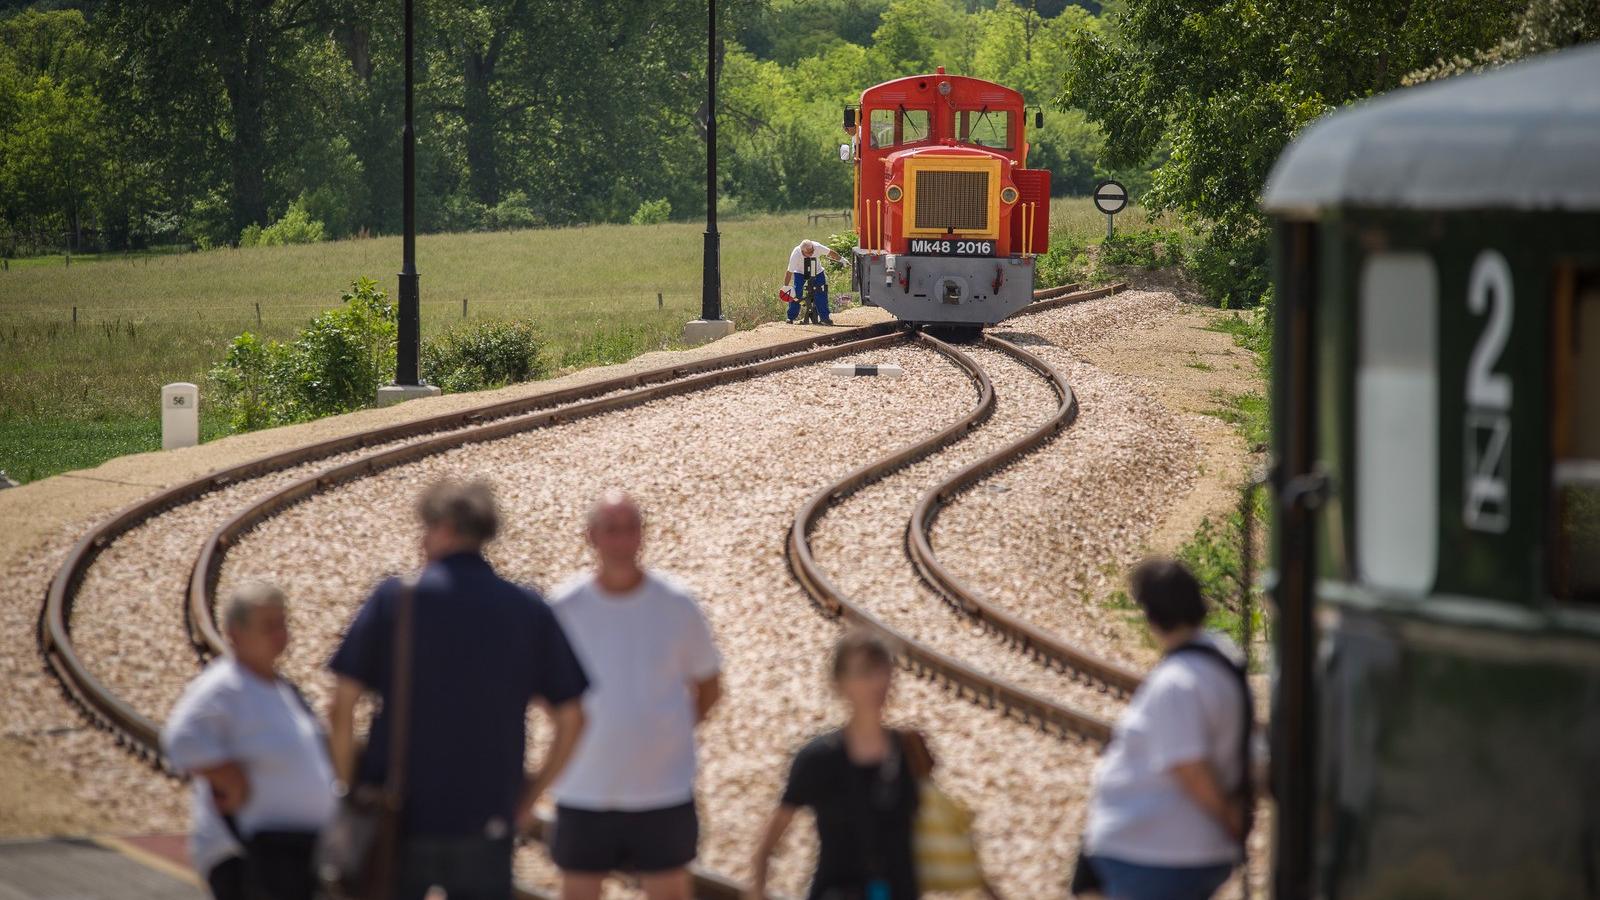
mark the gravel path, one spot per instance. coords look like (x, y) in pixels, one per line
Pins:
(720, 473)
(720, 493)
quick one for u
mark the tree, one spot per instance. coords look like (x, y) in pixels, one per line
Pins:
(217, 70)
(1228, 82)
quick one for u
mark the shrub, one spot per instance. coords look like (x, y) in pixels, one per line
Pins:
(1065, 262)
(295, 227)
(482, 355)
(652, 212)
(334, 366)
(515, 211)
(254, 383)
(1153, 249)
(1230, 265)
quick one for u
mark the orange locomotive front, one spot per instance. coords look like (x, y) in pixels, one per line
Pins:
(949, 218)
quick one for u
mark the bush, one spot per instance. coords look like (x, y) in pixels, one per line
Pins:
(651, 212)
(1153, 249)
(295, 227)
(515, 211)
(1066, 261)
(1230, 265)
(483, 355)
(334, 366)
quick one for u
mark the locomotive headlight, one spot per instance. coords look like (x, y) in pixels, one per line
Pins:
(1008, 194)
(893, 193)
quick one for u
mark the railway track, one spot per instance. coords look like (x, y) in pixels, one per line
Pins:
(918, 655)
(396, 445)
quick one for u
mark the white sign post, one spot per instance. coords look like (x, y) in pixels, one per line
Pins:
(180, 415)
(1110, 197)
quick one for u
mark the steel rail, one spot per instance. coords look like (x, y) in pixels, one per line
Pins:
(140, 735)
(1052, 301)
(920, 658)
(200, 608)
(1043, 645)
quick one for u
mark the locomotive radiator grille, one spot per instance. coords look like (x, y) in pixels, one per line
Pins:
(952, 201)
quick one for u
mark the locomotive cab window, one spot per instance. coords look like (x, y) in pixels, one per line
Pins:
(893, 127)
(985, 128)
(1575, 438)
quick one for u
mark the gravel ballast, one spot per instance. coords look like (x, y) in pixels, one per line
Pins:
(720, 473)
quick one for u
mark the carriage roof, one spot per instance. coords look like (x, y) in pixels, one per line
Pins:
(1522, 138)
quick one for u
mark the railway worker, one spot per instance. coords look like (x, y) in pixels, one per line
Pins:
(805, 267)
(861, 781)
(627, 801)
(263, 784)
(481, 650)
(1171, 810)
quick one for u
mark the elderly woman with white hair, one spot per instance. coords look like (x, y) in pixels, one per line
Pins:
(805, 267)
(263, 782)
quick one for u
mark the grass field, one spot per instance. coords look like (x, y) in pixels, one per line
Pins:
(73, 394)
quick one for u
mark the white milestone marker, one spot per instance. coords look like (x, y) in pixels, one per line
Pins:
(848, 370)
(180, 415)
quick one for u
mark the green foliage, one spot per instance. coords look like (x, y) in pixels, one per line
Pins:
(1215, 90)
(1153, 249)
(335, 364)
(1066, 262)
(515, 211)
(651, 212)
(295, 227)
(1215, 555)
(482, 355)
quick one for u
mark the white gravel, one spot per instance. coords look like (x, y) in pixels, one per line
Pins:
(720, 473)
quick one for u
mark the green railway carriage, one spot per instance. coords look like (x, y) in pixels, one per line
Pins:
(1436, 557)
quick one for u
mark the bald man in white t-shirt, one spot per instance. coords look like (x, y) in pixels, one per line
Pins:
(805, 267)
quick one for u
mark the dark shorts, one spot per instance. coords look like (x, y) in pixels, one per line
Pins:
(651, 840)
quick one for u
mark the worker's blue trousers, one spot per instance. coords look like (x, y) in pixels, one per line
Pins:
(820, 280)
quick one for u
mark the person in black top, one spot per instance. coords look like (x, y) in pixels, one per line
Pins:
(861, 782)
(483, 649)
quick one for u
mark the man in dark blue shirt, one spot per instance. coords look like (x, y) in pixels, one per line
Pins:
(482, 650)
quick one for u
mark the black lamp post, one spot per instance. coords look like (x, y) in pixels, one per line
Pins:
(711, 282)
(410, 301)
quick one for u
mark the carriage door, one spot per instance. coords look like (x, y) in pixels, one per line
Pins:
(1575, 437)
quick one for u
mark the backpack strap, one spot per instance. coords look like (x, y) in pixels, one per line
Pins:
(1246, 790)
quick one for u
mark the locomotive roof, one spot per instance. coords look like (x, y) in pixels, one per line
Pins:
(990, 89)
(1524, 137)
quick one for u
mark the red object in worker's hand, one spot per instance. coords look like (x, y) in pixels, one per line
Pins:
(785, 296)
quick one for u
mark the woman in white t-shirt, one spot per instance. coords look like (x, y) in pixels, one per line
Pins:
(1169, 813)
(263, 783)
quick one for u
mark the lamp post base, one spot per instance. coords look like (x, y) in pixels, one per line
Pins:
(390, 394)
(701, 331)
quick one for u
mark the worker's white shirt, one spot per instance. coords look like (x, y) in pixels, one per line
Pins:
(230, 714)
(797, 259)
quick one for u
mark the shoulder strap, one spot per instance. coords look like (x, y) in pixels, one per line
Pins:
(400, 694)
(1246, 789)
(919, 759)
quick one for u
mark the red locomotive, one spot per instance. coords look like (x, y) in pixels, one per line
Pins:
(949, 217)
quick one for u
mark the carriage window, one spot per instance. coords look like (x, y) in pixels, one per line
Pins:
(1575, 438)
(891, 127)
(1397, 424)
(986, 127)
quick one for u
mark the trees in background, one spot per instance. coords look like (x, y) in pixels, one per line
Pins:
(127, 124)
(1223, 85)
